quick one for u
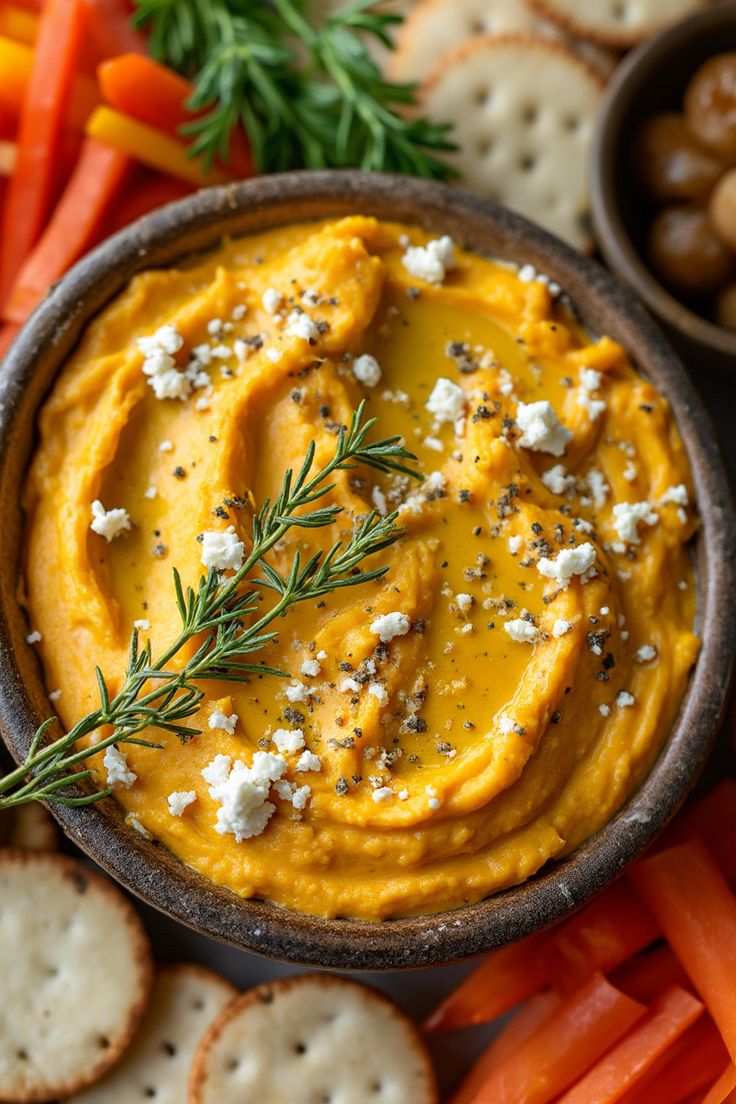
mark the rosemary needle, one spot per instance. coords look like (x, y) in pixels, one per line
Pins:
(227, 618)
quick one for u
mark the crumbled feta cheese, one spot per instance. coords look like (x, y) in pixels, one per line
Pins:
(383, 793)
(557, 480)
(624, 699)
(238, 312)
(142, 624)
(523, 632)
(378, 692)
(505, 724)
(349, 686)
(222, 352)
(222, 550)
(166, 446)
(628, 516)
(272, 300)
(308, 761)
(288, 740)
(630, 472)
(166, 339)
(242, 792)
(646, 653)
(54, 695)
(464, 602)
(561, 627)
(605, 710)
(299, 324)
(432, 261)
(379, 500)
(311, 668)
(598, 487)
(297, 691)
(515, 544)
(569, 562)
(180, 800)
(274, 355)
(33, 637)
(677, 495)
(403, 795)
(541, 429)
(301, 796)
(118, 771)
(214, 326)
(590, 379)
(108, 523)
(367, 370)
(150, 492)
(390, 625)
(434, 444)
(434, 801)
(592, 407)
(159, 364)
(218, 719)
(447, 401)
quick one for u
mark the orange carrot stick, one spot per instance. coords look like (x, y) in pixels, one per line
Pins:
(153, 94)
(587, 1024)
(8, 335)
(516, 1032)
(615, 1073)
(39, 138)
(142, 198)
(8, 158)
(502, 981)
(18, 23)
(690, 1065)
(724, 1090)
(697, 911)
(111, 29)
(94, 184)
(599, 937)
(649, 974)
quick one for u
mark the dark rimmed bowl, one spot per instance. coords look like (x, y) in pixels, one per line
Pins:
(650, 79)
(150, 871)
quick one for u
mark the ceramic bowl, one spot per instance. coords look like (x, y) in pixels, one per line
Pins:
(150, 871)
(651, 79)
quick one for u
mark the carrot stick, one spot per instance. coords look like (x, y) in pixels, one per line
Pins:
(599, 937)
(8, 335)
(712, 817)
(151, 147)
(94, 184)
(724, 1090)
(670, 1016)
(8, 158)
(692, 1063)
(39, 137)
(18, 24)
(516, 1032)
(111, 29)
(697, 911)
(567, 1044)
(16, 65)
(648, 975)
(142, 198)
(502, 981)
(155, 95)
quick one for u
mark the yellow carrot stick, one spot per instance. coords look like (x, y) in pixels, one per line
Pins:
(20, 25)
(151, 147)
(16, 63)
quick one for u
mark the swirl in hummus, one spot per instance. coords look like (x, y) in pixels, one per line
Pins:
(498, 695)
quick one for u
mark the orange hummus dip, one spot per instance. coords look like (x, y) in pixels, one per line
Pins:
(489, 703)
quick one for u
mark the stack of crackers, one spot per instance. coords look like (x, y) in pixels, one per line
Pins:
(522, 82)
(87, 1017)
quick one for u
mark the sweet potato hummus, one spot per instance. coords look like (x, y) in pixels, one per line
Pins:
(489, 703)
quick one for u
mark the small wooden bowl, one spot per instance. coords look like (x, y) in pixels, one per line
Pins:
(653, 78)
(153, 873)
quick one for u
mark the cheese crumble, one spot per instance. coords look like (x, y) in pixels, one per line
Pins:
(430, 262)
(541, 429)
(109, 523)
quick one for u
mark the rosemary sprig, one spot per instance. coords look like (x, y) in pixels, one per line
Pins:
(329, 109)
(220, 615)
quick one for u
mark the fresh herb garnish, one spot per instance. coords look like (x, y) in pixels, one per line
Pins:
(307, 96)
(221, 616)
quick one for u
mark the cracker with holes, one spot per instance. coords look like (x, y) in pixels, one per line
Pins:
(617, 23)
(76, 973)
(185, 1001)
(523, 110)
(32, 828)
(312, 1039)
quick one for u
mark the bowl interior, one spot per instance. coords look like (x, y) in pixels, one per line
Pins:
(153, 873)
(651, 79)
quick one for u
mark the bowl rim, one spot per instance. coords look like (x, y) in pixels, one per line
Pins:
(609, 227)
(152, 873)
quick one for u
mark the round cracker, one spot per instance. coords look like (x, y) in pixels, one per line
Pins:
(523, 110)
(617, 23)
(76, 974)
(305, 1039)
(185, 1001)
